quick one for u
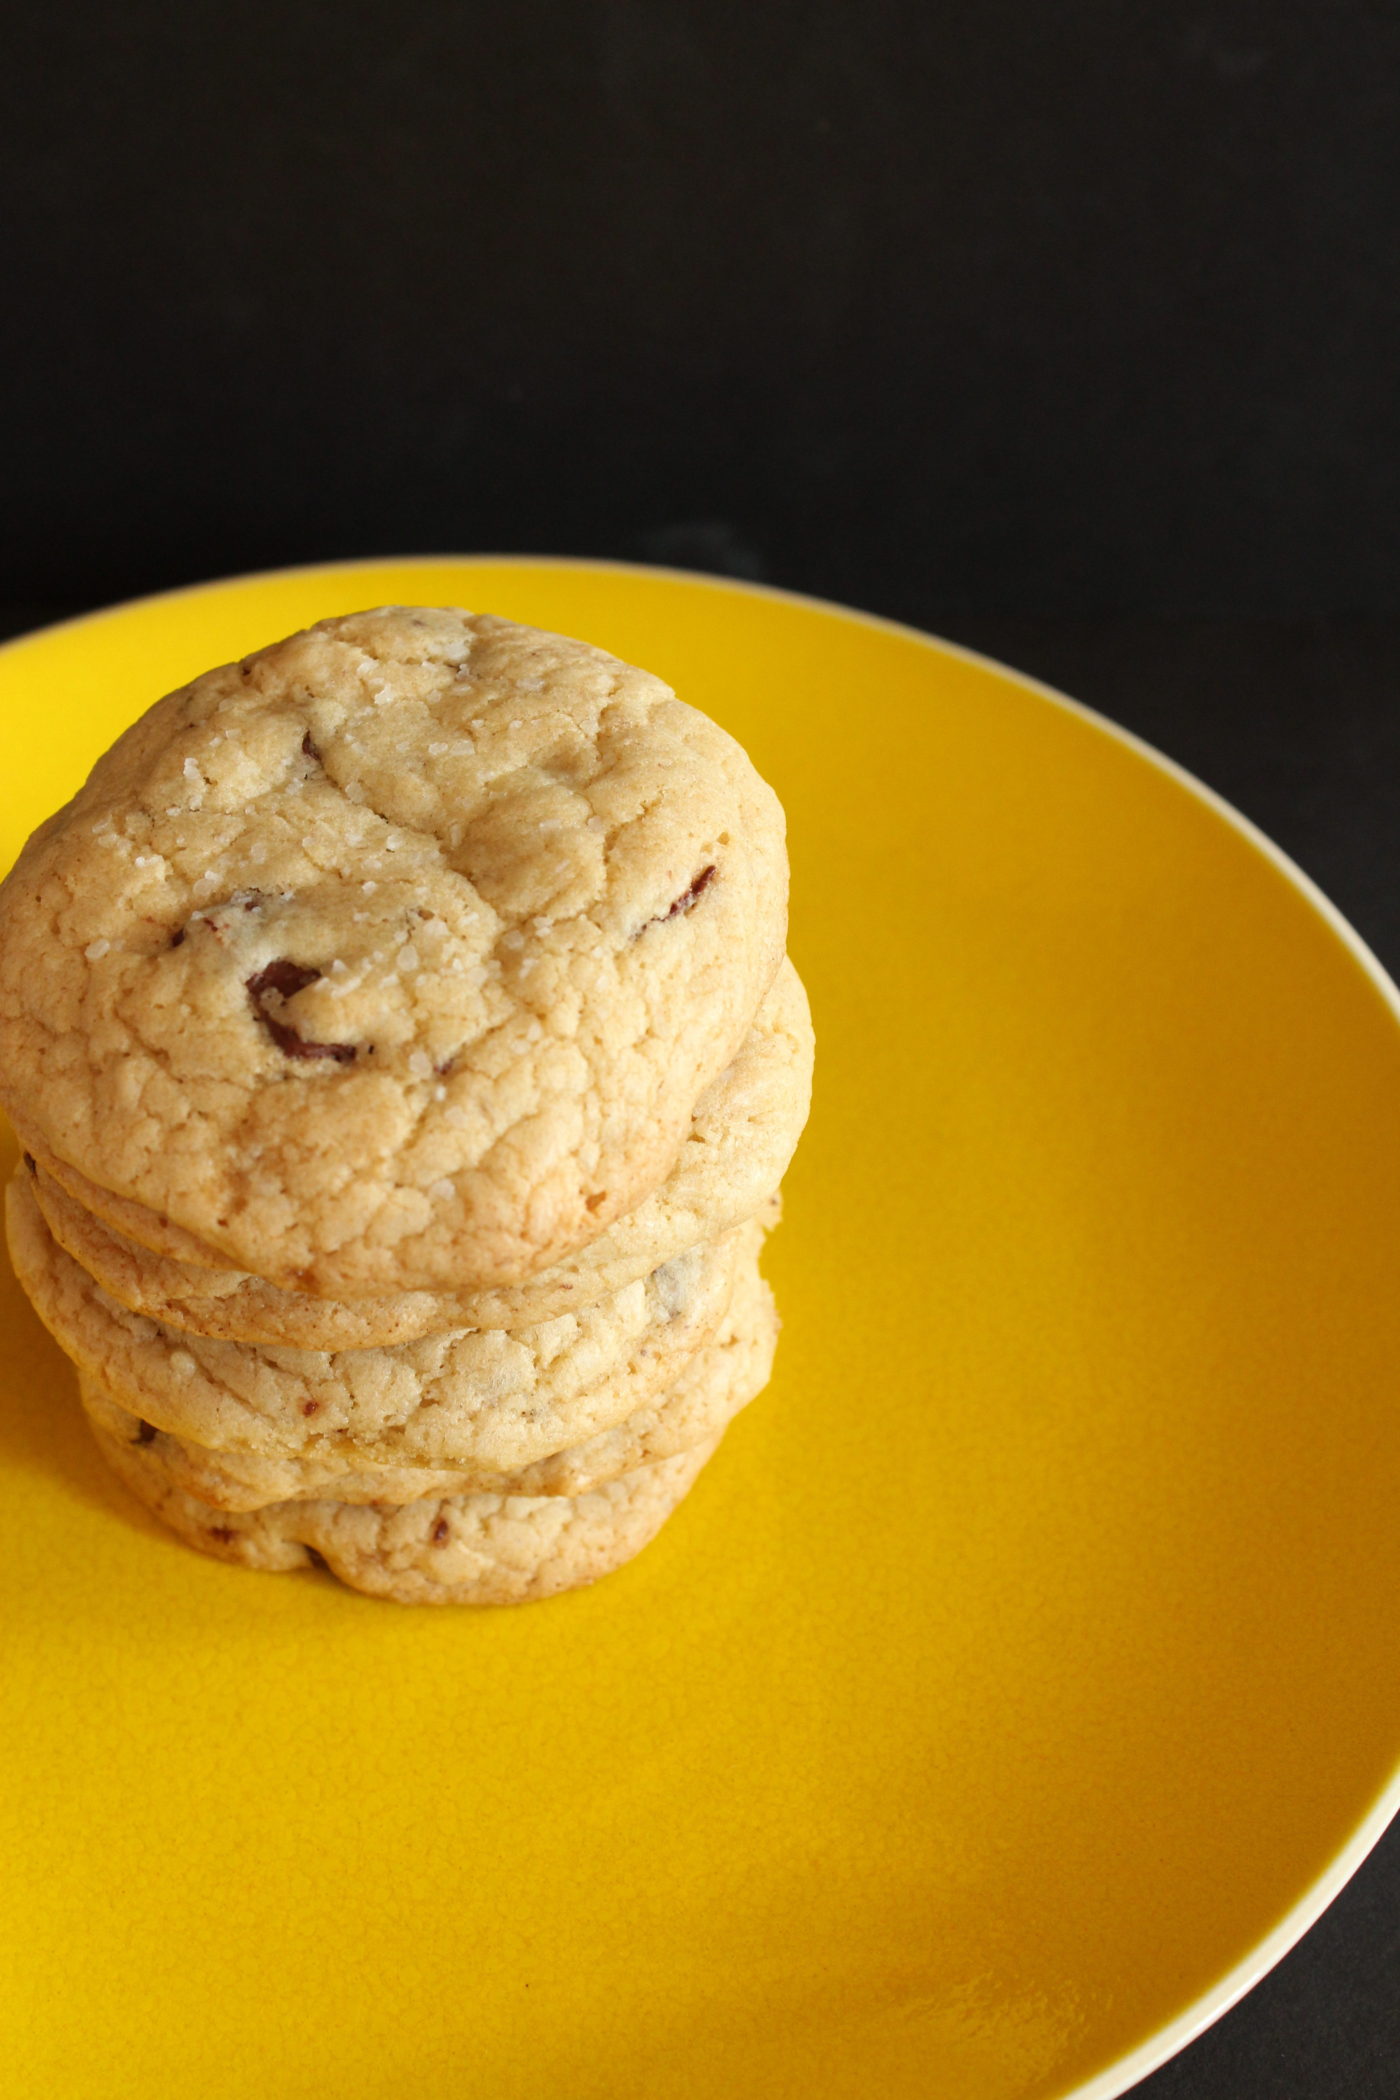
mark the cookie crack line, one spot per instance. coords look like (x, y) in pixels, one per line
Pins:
(459, 672)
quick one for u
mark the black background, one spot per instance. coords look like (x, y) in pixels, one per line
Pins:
(1066, 329)
(983, 306)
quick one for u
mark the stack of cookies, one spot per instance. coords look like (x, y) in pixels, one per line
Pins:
(398, 1029)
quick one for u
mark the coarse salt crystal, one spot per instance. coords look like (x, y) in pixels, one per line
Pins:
(339, 968)
(439, 1093)
(420, 1064)
(182, 1363)
(436, 750)
(407, 957)
(442, 1191)
(369, 887)
(95, 950)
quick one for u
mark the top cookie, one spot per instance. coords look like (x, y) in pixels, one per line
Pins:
(396, 956)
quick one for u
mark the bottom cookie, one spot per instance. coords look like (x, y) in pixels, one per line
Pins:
(452, 1549)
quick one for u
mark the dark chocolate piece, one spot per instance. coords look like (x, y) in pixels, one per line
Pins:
(687, 900)
(282, 980)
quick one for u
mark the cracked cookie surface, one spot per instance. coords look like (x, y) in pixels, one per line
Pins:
(740, 1141)
(395, 957)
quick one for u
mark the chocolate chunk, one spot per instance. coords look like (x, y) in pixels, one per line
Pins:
(145, 1433)
(283, 977)
(311, 1407)
(688, 899)
(282, 980)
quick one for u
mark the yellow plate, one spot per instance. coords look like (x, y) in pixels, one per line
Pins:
(1019, 1680)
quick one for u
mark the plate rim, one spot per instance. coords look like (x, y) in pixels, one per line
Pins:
(1124, 2072)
